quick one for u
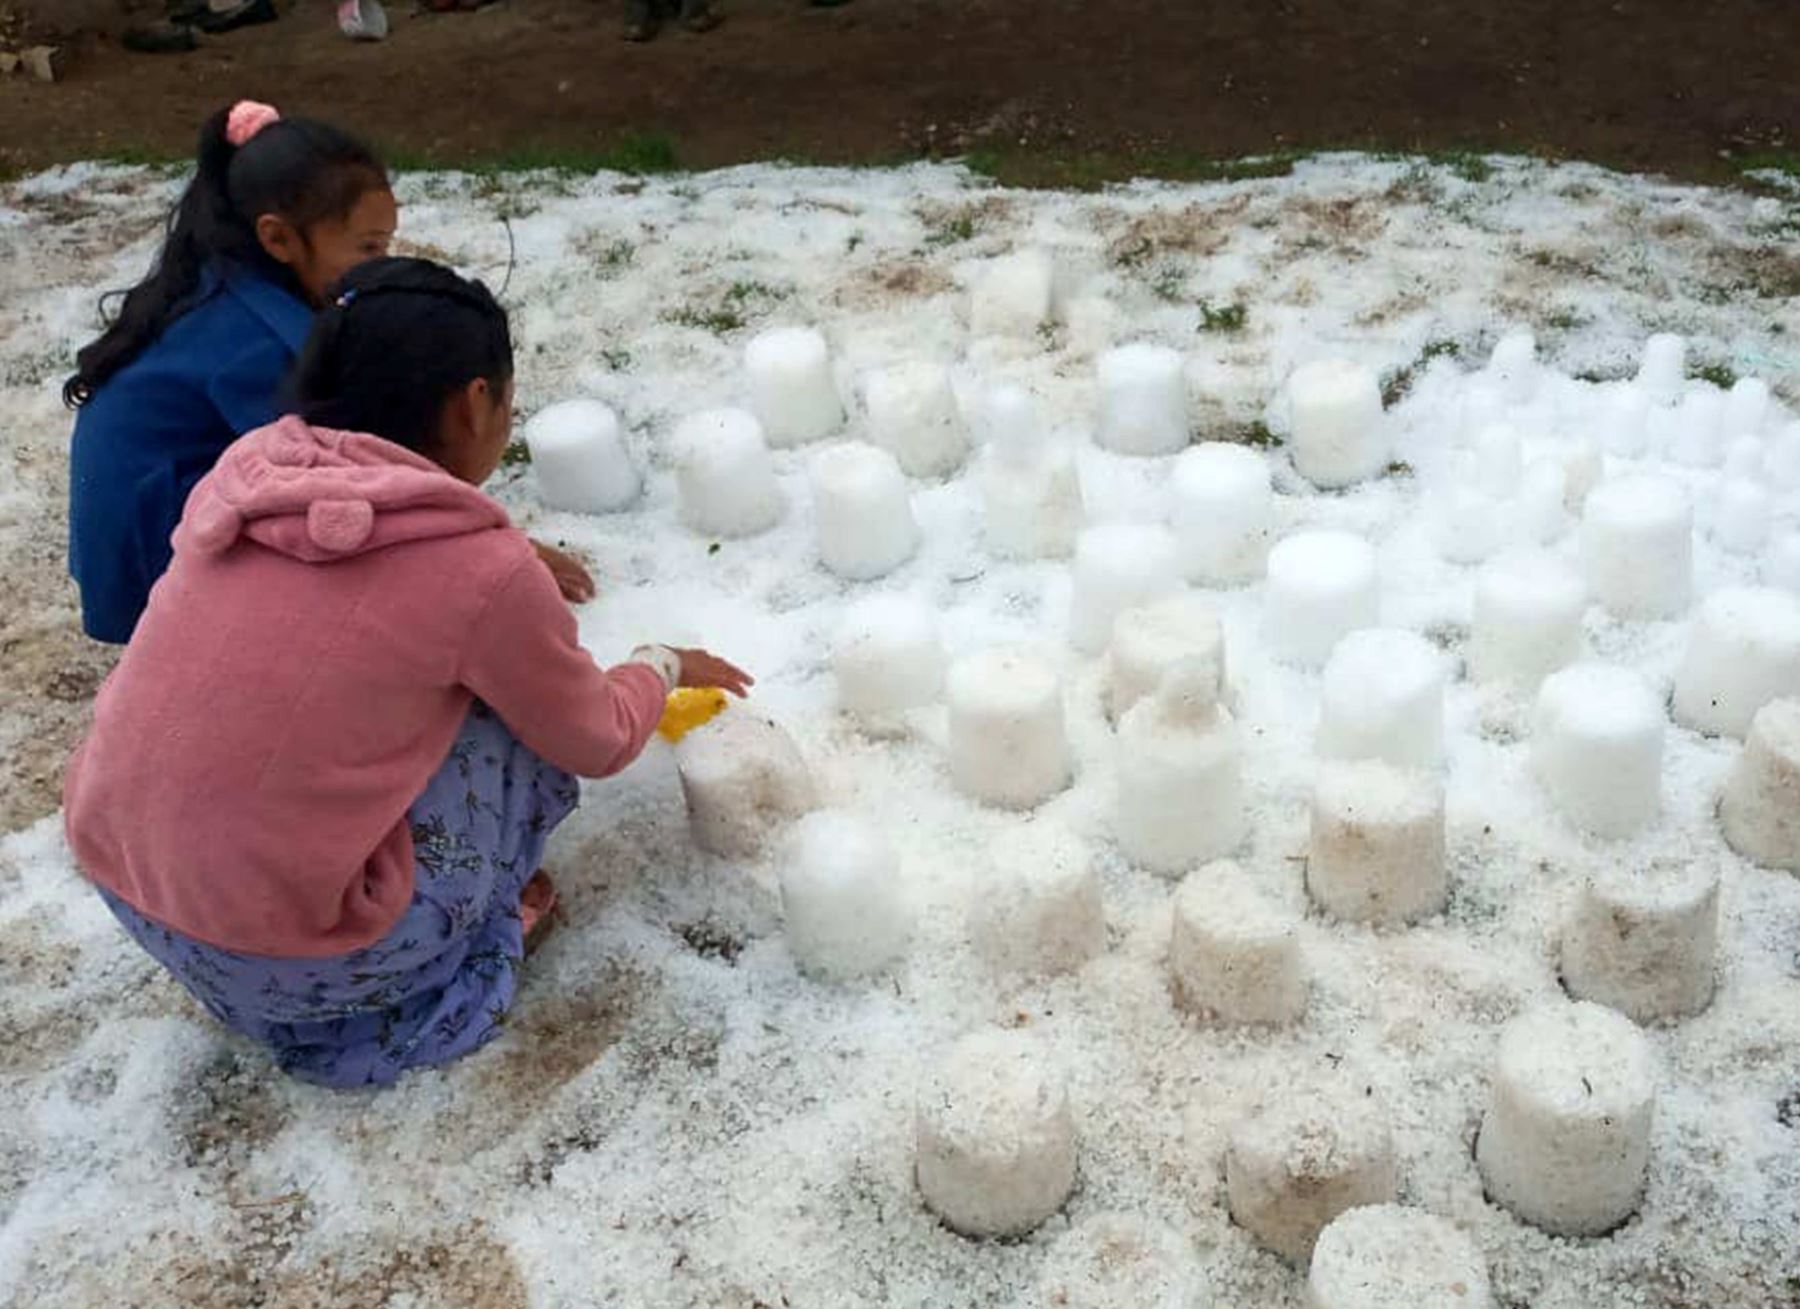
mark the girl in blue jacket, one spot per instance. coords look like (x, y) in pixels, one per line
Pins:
(279, 209)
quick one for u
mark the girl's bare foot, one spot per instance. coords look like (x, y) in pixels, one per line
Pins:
(537, 908)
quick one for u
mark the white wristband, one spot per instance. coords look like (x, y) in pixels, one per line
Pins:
(664, 660)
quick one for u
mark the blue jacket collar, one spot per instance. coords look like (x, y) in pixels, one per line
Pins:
(284, 314)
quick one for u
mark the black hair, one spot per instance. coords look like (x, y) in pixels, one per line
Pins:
(396, 340)
(303, 170)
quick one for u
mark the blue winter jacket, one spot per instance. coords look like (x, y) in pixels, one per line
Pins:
(156, 426)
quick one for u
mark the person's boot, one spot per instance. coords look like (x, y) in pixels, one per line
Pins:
(698, 15)
(641, 21)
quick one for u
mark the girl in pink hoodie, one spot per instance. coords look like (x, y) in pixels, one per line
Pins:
(320, 780)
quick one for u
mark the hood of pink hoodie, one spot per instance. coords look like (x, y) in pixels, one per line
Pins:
(318, 495)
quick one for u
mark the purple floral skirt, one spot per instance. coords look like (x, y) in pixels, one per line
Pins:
(439, 984)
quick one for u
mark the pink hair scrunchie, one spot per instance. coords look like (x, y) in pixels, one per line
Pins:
(247, 118)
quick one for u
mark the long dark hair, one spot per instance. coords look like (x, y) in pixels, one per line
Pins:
(396, 340)
(303, 170)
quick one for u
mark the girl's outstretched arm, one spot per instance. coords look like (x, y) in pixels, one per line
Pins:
(524, 659)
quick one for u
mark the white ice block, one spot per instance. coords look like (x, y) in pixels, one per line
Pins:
(1481, 405)
(1781, 562)
(792, 390)
(1782, 459)
(1388, 1256)
(1338, 437)
(1377, 852)
(1150, 640)
(846, 909)
(1223, 513)
(1382, 697)
(1746, 407)
(723, 475)
(1743, 651)
(1698, 435)
(1118, 566)
(1741, 518)
(888, 658)
(744, 780)
(1305, 1157)
(1180, 774)
(1527, 625)
(1662, 370)
(1092, 324)
(1624, 421)
(1322, 586)
(1637, 547)
(1113, 1259)
(1644, 939)
(1143, 401)
(1542, 503)
(1584, 467)
(1596, 747)
(1514, 366)
(913, 416)
(1008, 420)
(1030, 487)
(1008, 744)
(862, 511)
(1467, 524)
(1565, 1143)
(579, 459)
(1744, 458)
(1037, 911)
(995, 1136)
(1499, 459)
(1011, 295)
(1760, 810)
(1234, 954)
(1478, 407)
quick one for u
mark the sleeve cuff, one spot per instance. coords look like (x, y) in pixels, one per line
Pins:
(664, 660)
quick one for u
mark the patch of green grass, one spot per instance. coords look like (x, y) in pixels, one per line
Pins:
(1769, 161)
(954, 228)
(1134, 253)
(1396, 385)
(1723, 376)
(739, 292)
(1466, 164)
(741, 303)
(1256, 435)
(851, 242)
(615, 254)
(1222, 318)
(720, 320)
(515, 455)
(1564, 320)
(1089, 171)
(1170, 285)
(1399, 468)
(616, 358)
(143, 157)
(636, 153)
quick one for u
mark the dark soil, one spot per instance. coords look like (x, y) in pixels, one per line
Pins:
(1039, 90)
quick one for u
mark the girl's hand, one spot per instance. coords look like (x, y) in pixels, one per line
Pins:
(572, 578)
(700, 668)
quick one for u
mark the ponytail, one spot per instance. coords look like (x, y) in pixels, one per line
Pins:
(398, 339)
(303, 170)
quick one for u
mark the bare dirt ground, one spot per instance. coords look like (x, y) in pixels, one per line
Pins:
(1057, 89)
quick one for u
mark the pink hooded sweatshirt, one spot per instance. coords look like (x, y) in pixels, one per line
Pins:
(334, 605)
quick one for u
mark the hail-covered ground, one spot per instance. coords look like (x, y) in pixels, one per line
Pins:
(675, 1115)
